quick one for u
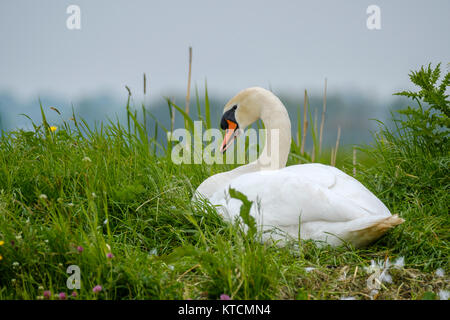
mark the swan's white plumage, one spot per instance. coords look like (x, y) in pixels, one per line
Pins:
(318, 201)
(328, 203)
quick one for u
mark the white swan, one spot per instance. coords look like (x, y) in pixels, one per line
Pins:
(317, 201)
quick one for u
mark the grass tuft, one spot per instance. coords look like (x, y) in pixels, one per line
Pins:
(109, 200)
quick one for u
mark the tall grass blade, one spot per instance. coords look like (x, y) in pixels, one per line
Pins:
(322, 122)
(189, 123)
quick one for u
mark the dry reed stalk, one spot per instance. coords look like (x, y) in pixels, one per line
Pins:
(315, 121)
(188, 93)
(305, 122)
(145, 84)
(337, 147)
(324, 110)
(313, 152)
(143, 103)
(332, 156)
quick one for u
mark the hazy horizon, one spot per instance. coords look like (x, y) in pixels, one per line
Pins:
(285, 45)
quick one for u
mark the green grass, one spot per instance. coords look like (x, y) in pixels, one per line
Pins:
(115, 190)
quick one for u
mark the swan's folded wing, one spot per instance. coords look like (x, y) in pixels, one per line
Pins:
(316, 193)
(344, 186)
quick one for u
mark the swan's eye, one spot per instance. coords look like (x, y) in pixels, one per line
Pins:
(234, 107)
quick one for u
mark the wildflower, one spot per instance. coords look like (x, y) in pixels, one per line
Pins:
(70, 204)
(47, 294)
(74, 294)
(224, 296)
(62, 296)
(86, 159)
(1, 257)
(13, 281)
(2, 242)
(110, 255)
(93, 195)
(43, 197)
(153, 252)
(97, 288)
(40, 288)
(19, 236)
(53, 128)
(40, 297)
(80, 249)
(15, 264)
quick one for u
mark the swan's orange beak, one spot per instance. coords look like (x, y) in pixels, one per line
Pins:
(230, 135)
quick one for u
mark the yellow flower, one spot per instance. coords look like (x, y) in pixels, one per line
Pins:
(1, 257)
(2, 242)
(53, 128)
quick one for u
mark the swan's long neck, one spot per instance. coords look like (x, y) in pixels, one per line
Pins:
(278, 135)
(276, 150)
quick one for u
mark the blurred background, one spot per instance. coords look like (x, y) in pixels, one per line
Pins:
(285, 45)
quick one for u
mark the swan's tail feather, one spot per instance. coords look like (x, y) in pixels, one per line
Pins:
(364, 236)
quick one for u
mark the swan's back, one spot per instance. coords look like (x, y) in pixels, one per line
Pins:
(321, 197)
(341, 184)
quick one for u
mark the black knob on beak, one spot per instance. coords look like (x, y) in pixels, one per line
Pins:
(230, 116)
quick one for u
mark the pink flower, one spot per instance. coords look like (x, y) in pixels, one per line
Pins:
(110, 255)
(80, 249)
(47, 294)
(97, 288)
(74, 294)
(62, 296)
(224, 296)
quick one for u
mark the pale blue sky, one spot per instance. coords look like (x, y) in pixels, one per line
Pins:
(290, 45)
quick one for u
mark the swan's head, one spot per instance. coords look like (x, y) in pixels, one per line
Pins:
(241, 111)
